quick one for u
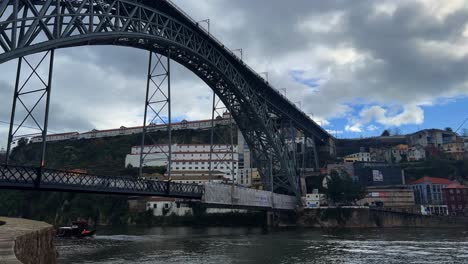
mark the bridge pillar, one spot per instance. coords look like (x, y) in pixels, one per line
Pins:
(31, 92)
(157, 111)
(221, 155)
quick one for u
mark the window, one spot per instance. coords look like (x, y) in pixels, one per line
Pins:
(166, 205)
(155, 206)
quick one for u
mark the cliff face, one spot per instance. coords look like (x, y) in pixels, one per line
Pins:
(26, 241)
(362, 217)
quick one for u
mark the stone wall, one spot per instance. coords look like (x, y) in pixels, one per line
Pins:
(363, 217)
(26, 241)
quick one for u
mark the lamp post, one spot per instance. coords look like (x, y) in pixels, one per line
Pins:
(266, 75)
(318, 121)
(207, 21)
(284, 90)
(240, 51)
(300, 104)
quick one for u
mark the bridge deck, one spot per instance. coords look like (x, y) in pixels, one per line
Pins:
(26, 178)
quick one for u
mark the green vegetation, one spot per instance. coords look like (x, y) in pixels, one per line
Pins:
(343, 190)
(438, 166)
(103, 156)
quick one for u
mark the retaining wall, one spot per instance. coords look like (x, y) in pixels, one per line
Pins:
(26, 241)
(363, 217)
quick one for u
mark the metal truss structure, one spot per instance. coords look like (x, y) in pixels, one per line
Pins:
(32, 26)
(223, 151)
(20, 177)
(30, 98)
(158, 107)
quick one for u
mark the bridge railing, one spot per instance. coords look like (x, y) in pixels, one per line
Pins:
(26, 177)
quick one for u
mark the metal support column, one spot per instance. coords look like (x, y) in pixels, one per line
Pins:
(13, 111)
(30, 93)
(221, 154)
(158, 112)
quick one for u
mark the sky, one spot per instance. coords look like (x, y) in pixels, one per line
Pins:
(356, 67)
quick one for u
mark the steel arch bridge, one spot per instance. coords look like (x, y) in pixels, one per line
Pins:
(260, 111)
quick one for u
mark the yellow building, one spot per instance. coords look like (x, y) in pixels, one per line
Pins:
(360, 156)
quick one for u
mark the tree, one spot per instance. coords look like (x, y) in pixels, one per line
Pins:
(385, 133)
(448, 129)
(342, 189)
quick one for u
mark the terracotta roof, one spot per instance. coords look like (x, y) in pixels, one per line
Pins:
(456, 185)
(433, 180)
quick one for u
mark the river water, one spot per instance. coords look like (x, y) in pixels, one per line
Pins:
(254, 245)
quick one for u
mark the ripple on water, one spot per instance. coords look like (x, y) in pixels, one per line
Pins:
(291, 247)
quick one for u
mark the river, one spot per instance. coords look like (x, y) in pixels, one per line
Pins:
(254, 245)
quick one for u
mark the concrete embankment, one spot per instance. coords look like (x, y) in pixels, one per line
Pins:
(26, 241)
(364, 217)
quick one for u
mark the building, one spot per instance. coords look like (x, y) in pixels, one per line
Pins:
(455, 150)
(378, 174)
(360, 156)
(456, 196)
(188, 157)
(431, 137)
(246, 176)
(397, 198)
(395, 154)
(315, 199)
(416, 153)
(164, 206)
(56, 137)
(428, 192)
(256, 180)
(122, 131)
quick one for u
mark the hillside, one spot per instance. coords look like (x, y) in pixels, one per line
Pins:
(104, 156)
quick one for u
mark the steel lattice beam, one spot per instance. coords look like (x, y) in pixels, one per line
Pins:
(33, 26)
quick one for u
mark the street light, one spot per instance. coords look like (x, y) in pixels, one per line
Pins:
(317, 121)
(239, 50)
(266, 75)
(283, 89)
(207, 21)
(300, 104)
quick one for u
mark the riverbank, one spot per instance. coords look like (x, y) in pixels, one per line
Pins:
(249, 219)
(26, 241)
(369, 218)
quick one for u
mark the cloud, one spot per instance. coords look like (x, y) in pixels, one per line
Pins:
(388, 58)
(411, 114)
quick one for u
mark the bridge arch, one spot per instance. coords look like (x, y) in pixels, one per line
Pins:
(29, 27)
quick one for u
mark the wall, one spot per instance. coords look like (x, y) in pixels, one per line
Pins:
(364, 217)
(26, 241)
